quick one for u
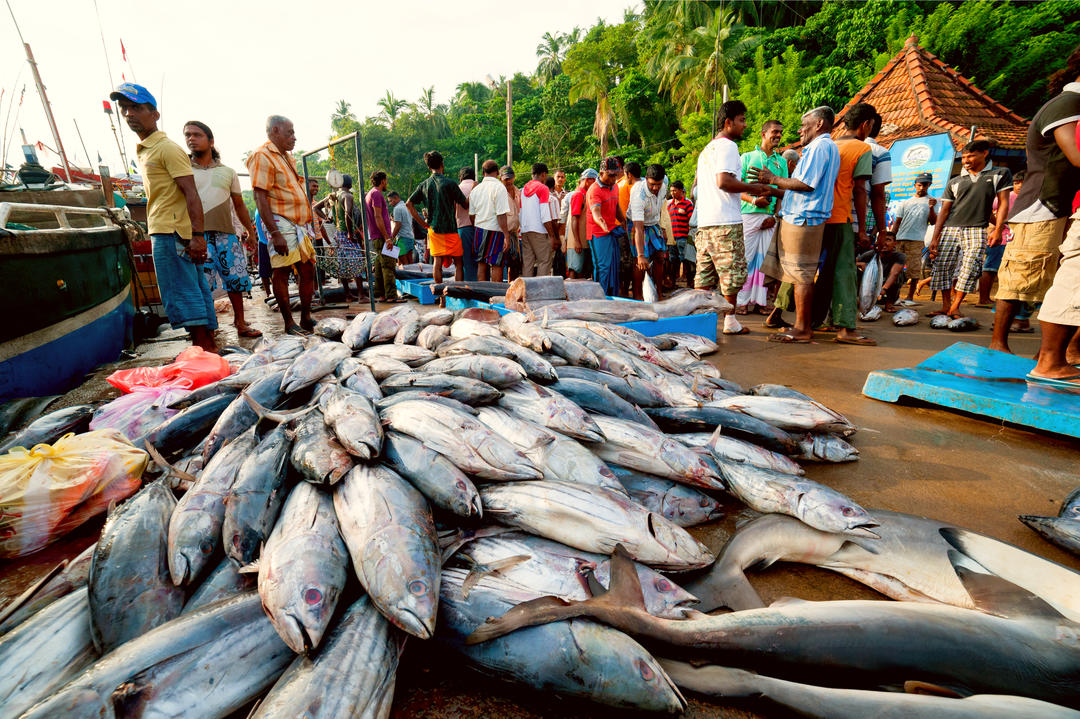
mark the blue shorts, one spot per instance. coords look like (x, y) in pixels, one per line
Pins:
(226, 263)
(575, 260)
(264, 262)
(992, 261)
(686, 250)
(185, 293)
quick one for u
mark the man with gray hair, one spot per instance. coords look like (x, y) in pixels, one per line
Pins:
(807, 204)
(285, 210)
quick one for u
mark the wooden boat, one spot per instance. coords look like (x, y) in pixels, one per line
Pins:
(66, 278)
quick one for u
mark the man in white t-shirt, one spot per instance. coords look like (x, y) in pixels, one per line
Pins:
(489, 213)
(721, 257)
(539, 230)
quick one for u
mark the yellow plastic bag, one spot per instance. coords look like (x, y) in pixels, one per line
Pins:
(48, 490)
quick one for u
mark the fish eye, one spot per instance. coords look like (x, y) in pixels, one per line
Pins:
(848, 512)
(663, 585)
(417, 587)
(459, 484)
(645, 670)
(703, 502)
(312, 595)
(206, 547)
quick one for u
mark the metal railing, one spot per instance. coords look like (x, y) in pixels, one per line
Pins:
(60, 212)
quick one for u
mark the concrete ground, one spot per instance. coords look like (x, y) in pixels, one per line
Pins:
(914, 458)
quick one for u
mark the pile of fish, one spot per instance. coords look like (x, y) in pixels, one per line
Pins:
(518, 488)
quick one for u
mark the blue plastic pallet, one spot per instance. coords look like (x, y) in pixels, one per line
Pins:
(981, 381)
(703, 325)
(420, 289)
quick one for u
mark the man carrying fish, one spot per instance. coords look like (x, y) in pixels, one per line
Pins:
(648, 243)
(174, 218)
(285, 210)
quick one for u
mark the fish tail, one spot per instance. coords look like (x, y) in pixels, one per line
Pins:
(724, 586)
(167, 468)
(279, 417)
(623, 597)
(712, 679)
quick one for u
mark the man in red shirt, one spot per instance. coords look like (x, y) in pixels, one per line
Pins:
(679, 208)
(604, 226)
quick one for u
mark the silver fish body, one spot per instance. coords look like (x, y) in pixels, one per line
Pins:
(572, 351)
(408, 332)
(870, 286)
(787, 413)
(1062, 531)
(316, 454)
(538, 368)
(552, 410)
(432, 336)
(464, 389)
(355, 336)
(357, 376)
(595, 520)
(495, 371)
(635, 446)
(383, 367)
(239, 417)
(437, 318)
(826, 448)
(695, 343)
(387, 323)
(352, 675)
(302, 568)
(130, 590)
(253, 501)
(71, 577)
(963, 324)
(675, 502)
(331, 327)
(409, 354)
(413, 395)
(313, 364)
(633, 389)
(729, 449)
(436, 477)
(224, 582)
(517, 328)
(355, 422)
(905, 318)
(939, 322)
(391, 538)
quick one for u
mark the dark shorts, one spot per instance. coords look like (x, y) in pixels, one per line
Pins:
(488, 246)
(992, 261)
(264, 262)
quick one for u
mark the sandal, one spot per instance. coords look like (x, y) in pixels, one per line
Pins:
(785, 338)
(740, 331)
(1070, 382)
(1022, 330)
(859, 340)
(297, 330)
(781, 325)
(248, 332)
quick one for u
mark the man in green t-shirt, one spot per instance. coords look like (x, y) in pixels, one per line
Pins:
(759, 218)
(439, 194)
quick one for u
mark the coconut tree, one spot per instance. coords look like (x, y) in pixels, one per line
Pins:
(391, 108)
(342, 117)
(588, 71)
(431, 111)
(551, 57)
(469, 97)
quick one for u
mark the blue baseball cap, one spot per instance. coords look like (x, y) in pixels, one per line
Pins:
(133, 92)
(590, 174)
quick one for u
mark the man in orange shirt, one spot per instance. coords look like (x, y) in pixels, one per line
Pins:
(285, 210)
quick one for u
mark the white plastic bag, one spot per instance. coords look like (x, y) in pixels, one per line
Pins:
(137, 413)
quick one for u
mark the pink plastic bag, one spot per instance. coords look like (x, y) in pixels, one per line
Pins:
(135, 414)
(194, 364)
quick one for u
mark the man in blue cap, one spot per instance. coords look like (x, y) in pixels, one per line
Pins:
(174, 218)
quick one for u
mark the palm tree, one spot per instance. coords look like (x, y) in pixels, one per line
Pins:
(391, 108)
(693, 60)
(592, 84)
(550, 53)
(342, 116)
(470, 96)
(432, 112)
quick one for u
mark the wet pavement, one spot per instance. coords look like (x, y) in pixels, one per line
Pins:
(914, 458)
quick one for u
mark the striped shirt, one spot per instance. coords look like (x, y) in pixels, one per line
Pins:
(680, 211)
(275, 172)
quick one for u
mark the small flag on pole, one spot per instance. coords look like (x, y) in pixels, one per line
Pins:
(123, 50)
(108, 107)
(99, 158)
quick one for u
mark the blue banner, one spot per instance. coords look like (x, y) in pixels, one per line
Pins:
(933, 154)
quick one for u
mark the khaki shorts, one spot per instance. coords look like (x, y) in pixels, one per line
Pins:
(913, 250)
(1062, 303)
(1030, 260)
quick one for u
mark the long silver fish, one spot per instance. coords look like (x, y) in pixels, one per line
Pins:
(356, 334)
(854, 643)
(538, 368)
(195, 526)
(826, 448)
(787, 413)
(131, 591)
(391, 537)
(572, 351)
(687, 302)
(44, 652)
(464, 389)
(579, 659)
(595, 520)
(437, 478)
(1062, 531)
(695, 343)
(466, 327)
(254, 500)
(517, 328)
(594, 397)
(729, 449)
(539, 565)
(208, 663)
(550, 409)
(239, 416)
(460, 438)
(351, 676)
(408, 332)
(383, 367)
(675, 502)
(225, 581)
(439, 317)
(409, 354)
(387, 323)
(415, 395)
(331, 327)
(635, 446)
(829, 703)
(558, 457)
(302, 568)
(432, 336)
(495, 371)
(815, 504)
(633, 389)
(316, 454)
(313, 364)
(357, 376)
(61, 581)
(354, 421)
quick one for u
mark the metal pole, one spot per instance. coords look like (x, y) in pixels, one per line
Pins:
(476, 164)
(89, 162)
(368, 259)
(48, 110)
(509, 123)
(116, 136)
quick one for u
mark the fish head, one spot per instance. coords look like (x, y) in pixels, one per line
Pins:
(837, 512)
(684, 550)
(192, 547)
(303, 622)
(404, 585)
(243, 545)
(663, 597)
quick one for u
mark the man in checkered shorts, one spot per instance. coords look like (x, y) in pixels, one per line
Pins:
(960, 237)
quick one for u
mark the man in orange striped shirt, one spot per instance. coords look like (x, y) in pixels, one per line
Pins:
(286, 212)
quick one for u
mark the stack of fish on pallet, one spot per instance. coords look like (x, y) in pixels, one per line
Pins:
(519, 489)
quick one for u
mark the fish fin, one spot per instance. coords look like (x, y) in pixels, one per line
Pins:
(31, 591)
(593, 584)
(279, 417)
(479, 571)
(928, 689)
(252, 568)
(167, 468)
(725, 585)
(994, 595)
(254, 708)
(712, 679)
(623, 597)
(787, 602)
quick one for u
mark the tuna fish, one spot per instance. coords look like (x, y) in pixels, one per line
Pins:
(516, 327)
(254, 500)
(355, 375)
(391, 537)
(729, 449)
(331, 327)
(905, 318)
(302, 568)
(432, 336)
(61, 581)
(572, 351)
(632, 389)
(675, 502)
(437, 478)
(464, 389)
(963, 324)
(408, 332)
(318, 457)
(538, 369)
(51, 427)
(729, 422)
(224, 582)
(1062, 531)
(313, 364)
(788, 414)
(356, 334)
(409, 354)
(239, 416)
(355, 422)
(185, 429)
(634, 446)
(826, 448)
(496, 371)
(597, 398)
(552, 410)
(387, 323)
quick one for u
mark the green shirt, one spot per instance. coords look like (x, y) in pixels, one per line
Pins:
(775, 163)
(439, 194)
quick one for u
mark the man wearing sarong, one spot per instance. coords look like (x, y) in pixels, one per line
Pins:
(489, 213)
(759, 217)
(439, 195)
(648, 245)
(604, 226)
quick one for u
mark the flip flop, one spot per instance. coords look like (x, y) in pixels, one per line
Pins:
(1070, 382)
(248, 332)
(781, 325)
(785, 338)
(861, 340)
(740, 331)
(298, 331)
(1023, 330)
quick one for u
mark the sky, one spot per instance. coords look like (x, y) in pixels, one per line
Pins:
(231, 63)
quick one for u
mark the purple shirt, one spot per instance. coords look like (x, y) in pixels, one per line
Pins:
(375, 201)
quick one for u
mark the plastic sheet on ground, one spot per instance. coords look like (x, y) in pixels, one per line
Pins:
(192, 368)
(136, 413)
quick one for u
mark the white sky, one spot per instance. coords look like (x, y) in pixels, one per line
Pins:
(231, 63)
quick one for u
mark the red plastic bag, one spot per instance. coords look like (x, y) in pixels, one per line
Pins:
(193, 368)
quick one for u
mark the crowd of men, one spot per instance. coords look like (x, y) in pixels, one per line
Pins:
(773, 232)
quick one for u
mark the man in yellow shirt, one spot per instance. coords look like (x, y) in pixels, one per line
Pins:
(174, 218)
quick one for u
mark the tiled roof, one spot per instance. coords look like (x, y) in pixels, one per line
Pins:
(917, 94)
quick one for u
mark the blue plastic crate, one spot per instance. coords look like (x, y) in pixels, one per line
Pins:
(420, 289)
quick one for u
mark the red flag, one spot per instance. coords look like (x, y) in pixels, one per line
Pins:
(123, 77)
(122, 50)
(107, 106)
